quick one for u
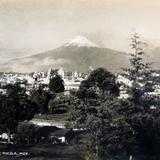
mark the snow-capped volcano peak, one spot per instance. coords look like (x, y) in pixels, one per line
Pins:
(81, 41)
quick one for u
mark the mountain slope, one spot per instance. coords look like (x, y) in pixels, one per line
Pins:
(78, 54)
(70, 58)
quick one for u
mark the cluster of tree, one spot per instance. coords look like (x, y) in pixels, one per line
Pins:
(41, 97)
(44, 98)
(114, 128)
(59, 105)
(99, 82)
(17, 106)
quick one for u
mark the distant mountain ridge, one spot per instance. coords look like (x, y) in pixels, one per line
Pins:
(78, 54)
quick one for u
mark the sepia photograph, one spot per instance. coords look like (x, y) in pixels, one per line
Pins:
(79, 80)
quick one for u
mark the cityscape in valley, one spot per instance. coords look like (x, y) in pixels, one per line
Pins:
(79, 80)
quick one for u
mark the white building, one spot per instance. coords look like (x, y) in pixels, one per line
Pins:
(61, 72)
(71, 81)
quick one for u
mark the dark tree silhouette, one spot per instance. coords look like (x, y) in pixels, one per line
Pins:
(41, 97)
(56, 84)
(99, 82)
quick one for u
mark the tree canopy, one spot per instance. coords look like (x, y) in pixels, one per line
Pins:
(100, 81)
(15, 107)
(56, 84)
(89, 111)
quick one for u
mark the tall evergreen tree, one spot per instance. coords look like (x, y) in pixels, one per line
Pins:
(140, 74)
(138, 113)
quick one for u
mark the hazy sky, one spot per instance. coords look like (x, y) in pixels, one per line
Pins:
(31, 26)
